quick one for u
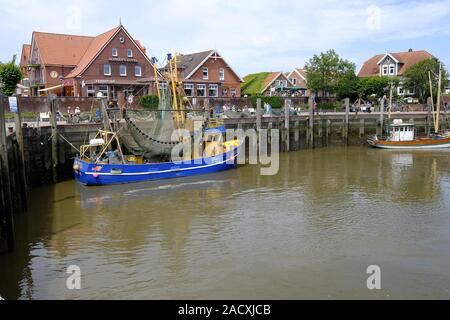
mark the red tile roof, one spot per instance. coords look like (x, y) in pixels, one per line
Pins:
(61, 49)
(73, 50)
(25, 57)
(94, 48)
(370, 68)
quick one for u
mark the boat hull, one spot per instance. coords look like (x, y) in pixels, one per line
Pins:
(415, 144)
(91, 174)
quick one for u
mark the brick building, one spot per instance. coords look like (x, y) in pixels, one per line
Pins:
(207, 74)
(72, 65)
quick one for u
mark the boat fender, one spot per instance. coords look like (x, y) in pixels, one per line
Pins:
(95, 175)
(76, 167)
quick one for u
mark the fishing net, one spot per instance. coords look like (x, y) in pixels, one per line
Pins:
(152, 131)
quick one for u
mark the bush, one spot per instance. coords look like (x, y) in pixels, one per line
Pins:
(149, 102)
(328, 106)
(10, 76)
(276, 102)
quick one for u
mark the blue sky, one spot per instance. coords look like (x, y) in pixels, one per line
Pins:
(252, 35)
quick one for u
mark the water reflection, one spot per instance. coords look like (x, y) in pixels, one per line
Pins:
(200, 237)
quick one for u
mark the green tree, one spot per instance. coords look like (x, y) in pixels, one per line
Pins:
(416, 78)
(327, 72)
(375, 86)
(10, 76)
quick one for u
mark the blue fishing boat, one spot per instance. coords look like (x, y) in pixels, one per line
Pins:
(102, 161)
(94, 166)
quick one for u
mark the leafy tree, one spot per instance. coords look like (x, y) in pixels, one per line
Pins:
(10, 76)
(327, 72)
(375, 86)
(416, 78)
(347, 86)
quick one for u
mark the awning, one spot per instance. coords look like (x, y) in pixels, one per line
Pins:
(50, 89)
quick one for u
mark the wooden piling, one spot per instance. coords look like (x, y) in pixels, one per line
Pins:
(297, 134)
(21, 155)
(361, 127)
(287, 106)
(8, 222)
(258, 122)
(346, 124)
(311, 122)
(54, 125)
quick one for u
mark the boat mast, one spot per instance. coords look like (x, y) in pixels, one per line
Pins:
(432, 99)
(173, 75)
(438, 108)
(154, 60)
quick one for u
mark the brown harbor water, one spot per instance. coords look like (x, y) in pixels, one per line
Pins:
(309, 232)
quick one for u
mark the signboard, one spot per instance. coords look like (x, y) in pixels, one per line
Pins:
(12, 104)
(68, 82)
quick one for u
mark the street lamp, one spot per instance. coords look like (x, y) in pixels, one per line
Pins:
(61, 78)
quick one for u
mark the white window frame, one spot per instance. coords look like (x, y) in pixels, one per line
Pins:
(109, 67)
(392, 69)
(138, 67)
(130, 53)
(201, 87)
(294, 81)
(213, 87)
(90, 90)
(189, 86)
(205, 73)
(115, 52)
(221, 74)
(120, 70)
(233, 92)
(400, 91)
(104, 91)
(384, 70)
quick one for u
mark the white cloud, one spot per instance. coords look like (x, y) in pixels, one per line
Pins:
(253, 35)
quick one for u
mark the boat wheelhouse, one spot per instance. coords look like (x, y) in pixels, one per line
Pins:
(402, 135)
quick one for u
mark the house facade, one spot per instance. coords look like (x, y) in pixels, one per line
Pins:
(207, 74)
(71, 65)
(298, 79)
(267, 83)
(393, 65)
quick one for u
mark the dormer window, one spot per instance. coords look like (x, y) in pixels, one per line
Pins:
(205, 74)
(384, 71)
(392, 69)
(130, 53)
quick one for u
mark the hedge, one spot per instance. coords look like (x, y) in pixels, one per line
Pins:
(276, 102)
(149, 102)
